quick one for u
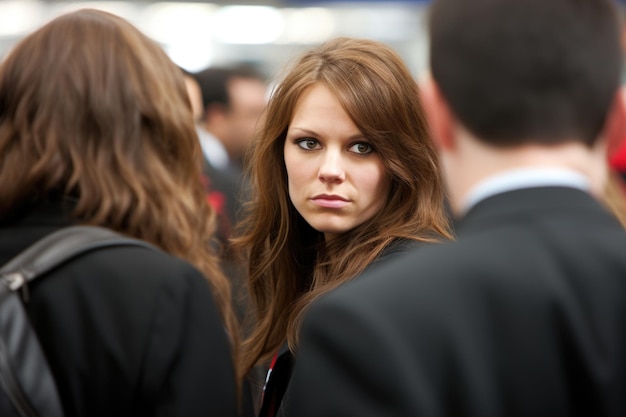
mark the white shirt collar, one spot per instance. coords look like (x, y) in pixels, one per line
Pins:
(516, 179)
(213, 150)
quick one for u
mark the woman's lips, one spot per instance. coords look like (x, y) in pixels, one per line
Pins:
(330, 201)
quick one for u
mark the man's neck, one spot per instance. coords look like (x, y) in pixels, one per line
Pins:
(473, 163)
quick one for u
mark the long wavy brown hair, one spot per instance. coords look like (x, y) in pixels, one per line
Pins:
(289, 263)
(93, 110)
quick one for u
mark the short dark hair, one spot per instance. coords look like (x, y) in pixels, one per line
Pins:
(213, 82)
(519, 71)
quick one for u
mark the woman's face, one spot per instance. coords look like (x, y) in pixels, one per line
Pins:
(337, 180)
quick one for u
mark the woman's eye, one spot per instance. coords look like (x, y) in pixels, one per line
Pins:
(308, 144)
(361, 148)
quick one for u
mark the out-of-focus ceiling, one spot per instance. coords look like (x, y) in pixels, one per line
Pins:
(266, 33)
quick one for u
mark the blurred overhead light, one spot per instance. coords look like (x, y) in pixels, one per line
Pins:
(124, 9)
(308, 25)
(187, 57)
(247, 24)
(388, 23)
(184, 30)
(18, 18)
(178, 22)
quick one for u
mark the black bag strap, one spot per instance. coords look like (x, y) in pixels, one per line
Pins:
(25, 376)
(61, 246)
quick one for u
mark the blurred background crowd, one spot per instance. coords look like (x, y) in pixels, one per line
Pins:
(264, 34)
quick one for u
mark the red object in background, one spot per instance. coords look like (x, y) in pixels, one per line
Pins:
(616, 151)
(217, 200)
(617, 161)
(617, 157)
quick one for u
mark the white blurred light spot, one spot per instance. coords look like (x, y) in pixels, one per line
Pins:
(187, 57)
(247, 24)
(17, 18)
(184, 30)
(309, 25)
(123, 9)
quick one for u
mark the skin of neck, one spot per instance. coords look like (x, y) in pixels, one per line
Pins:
(471, 161)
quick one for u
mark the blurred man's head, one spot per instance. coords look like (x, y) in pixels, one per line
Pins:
(233, 100)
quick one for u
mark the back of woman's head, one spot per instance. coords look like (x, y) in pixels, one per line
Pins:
(92, 109)
(377, 91)
(94, 112)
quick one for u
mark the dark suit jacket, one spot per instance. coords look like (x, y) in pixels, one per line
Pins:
(277, 381)
(525, 315)
(128, 331)
(224, 188)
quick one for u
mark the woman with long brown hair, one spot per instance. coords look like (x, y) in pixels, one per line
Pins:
(344, 175)
(96, 128)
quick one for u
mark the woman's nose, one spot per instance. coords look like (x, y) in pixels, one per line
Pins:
(331, 168)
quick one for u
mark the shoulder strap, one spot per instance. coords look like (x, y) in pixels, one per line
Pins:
(59, 247)
(25, 377)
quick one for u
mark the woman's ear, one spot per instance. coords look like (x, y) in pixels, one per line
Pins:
(440, 119)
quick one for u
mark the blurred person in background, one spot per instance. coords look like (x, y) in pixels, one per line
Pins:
(344, 175)
(233, 99)
(96, 128)
(523, 315)
(617, 153)
(615, 192)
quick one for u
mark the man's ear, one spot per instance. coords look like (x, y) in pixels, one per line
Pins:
(614, 131)
(440, 118)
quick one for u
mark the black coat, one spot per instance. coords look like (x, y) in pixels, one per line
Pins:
(128, 331)
(523, 316)
(277, 381)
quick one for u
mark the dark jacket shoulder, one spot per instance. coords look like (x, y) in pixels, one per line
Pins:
(128, 331)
